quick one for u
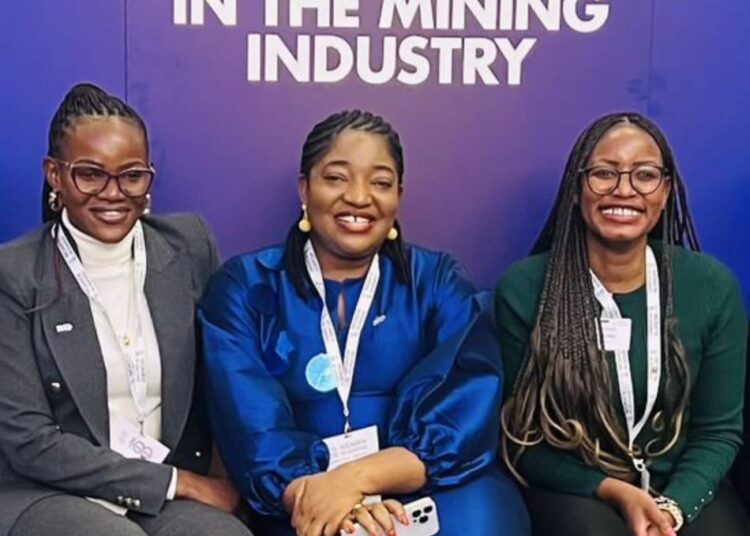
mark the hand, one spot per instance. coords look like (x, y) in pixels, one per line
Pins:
(375, 518)
(216, 492)
(323, 501)
(637, 507)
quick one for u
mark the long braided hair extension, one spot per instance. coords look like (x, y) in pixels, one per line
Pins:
(318, 143)
(82, 101)
(563, 393)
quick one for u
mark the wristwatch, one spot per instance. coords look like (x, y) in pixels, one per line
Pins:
(672, 508)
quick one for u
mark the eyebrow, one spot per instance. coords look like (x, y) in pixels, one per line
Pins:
(346, 163)
(129, 164)
(616, 163)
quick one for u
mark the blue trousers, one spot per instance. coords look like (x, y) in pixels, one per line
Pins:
(487, 505)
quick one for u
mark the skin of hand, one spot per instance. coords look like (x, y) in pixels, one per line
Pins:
(317, 511)
(376, 518)
(216, 492)
(637, 507)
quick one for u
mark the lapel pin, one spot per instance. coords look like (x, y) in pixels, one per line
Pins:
(64, 328)
(378, 320)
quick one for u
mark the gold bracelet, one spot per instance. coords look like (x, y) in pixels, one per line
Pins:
(668, 505)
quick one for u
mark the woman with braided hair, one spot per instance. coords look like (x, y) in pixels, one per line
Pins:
(102, 428)
(346, 328)
(626, 349)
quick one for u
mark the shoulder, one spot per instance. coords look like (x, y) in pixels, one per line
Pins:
(524, 277)
(256, 274)
(187, 232)
(438, 263)
(703, 282)
(22, 259)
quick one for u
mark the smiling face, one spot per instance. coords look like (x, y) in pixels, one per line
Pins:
(352, 196)
(110, 143)
(623, 217)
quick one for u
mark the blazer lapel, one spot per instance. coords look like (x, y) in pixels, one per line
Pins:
(71, 336)
(169, 292)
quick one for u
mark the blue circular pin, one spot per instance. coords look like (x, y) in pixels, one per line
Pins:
(319, 373)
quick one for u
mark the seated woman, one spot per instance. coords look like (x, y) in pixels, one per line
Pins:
(97, 357)
(626, 349)
(345, 328)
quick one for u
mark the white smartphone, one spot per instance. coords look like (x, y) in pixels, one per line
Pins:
(423, 520)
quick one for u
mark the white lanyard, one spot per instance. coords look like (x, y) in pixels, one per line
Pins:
(343, 369)
(622, 360)
(134, 351)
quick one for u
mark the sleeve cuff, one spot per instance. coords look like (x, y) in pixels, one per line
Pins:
(172, 489)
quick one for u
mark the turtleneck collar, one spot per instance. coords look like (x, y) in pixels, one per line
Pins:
(97, 254)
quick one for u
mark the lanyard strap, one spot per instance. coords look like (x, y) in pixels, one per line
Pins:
(343, 368)
(133, 351)
(610, 310)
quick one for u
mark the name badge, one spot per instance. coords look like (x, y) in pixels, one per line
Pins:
(349, 447)
(127, 440)
(616, 334)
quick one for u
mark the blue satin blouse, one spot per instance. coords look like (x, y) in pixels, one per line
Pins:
(428, 372)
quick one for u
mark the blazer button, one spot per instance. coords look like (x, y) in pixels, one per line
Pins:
(56, 387)
(198, 454)
(120, 499)
(128, 502)
(136, 503)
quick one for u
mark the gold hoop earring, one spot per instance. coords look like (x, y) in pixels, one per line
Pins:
(147, 209)
(54, 202)
(304, 224)
(393, 234)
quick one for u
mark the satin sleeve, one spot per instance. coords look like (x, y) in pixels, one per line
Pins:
(252, 418)
(447, 408)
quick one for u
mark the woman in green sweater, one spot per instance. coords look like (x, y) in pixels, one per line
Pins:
(626, 351)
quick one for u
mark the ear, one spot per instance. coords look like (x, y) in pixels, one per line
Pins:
(52, 173)
(303, 187)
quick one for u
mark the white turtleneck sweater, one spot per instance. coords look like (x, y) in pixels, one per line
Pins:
(111, 268)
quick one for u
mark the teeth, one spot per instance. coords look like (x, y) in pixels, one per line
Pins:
(621, 211)
(354, 219)
(111, 213)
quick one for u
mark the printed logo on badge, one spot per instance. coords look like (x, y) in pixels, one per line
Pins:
(319, 373)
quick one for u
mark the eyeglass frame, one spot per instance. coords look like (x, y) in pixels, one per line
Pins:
(110, 176)
(664, 178)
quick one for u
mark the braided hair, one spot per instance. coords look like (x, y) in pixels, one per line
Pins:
(318, 143)
(562, 395)
(82, 101)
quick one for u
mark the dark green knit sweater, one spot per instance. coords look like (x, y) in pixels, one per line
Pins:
(713, 328)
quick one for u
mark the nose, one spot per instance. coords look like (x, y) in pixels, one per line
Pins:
(111, 190)
(358, 193)
(625, 185)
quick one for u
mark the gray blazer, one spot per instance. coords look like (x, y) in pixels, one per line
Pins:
(54, 429)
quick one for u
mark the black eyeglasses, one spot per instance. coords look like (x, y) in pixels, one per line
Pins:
(93, 180)
(603, 180)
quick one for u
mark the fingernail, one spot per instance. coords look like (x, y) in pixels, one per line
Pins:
(392, 532)
(404, 520)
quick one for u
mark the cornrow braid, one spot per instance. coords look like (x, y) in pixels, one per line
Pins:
(563, 394)
(82, 101)
(318, 143)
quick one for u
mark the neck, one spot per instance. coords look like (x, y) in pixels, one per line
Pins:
(339, 268)
(622, 268)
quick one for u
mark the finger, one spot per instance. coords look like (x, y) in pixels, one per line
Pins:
(397, 509)
(363, 517)
(639, 524)
(315, 528)
(383, 518)
(348, 527)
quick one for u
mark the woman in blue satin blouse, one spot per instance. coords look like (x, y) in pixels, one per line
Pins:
(347, 328)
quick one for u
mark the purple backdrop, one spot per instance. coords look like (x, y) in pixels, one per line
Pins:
(482, 162)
